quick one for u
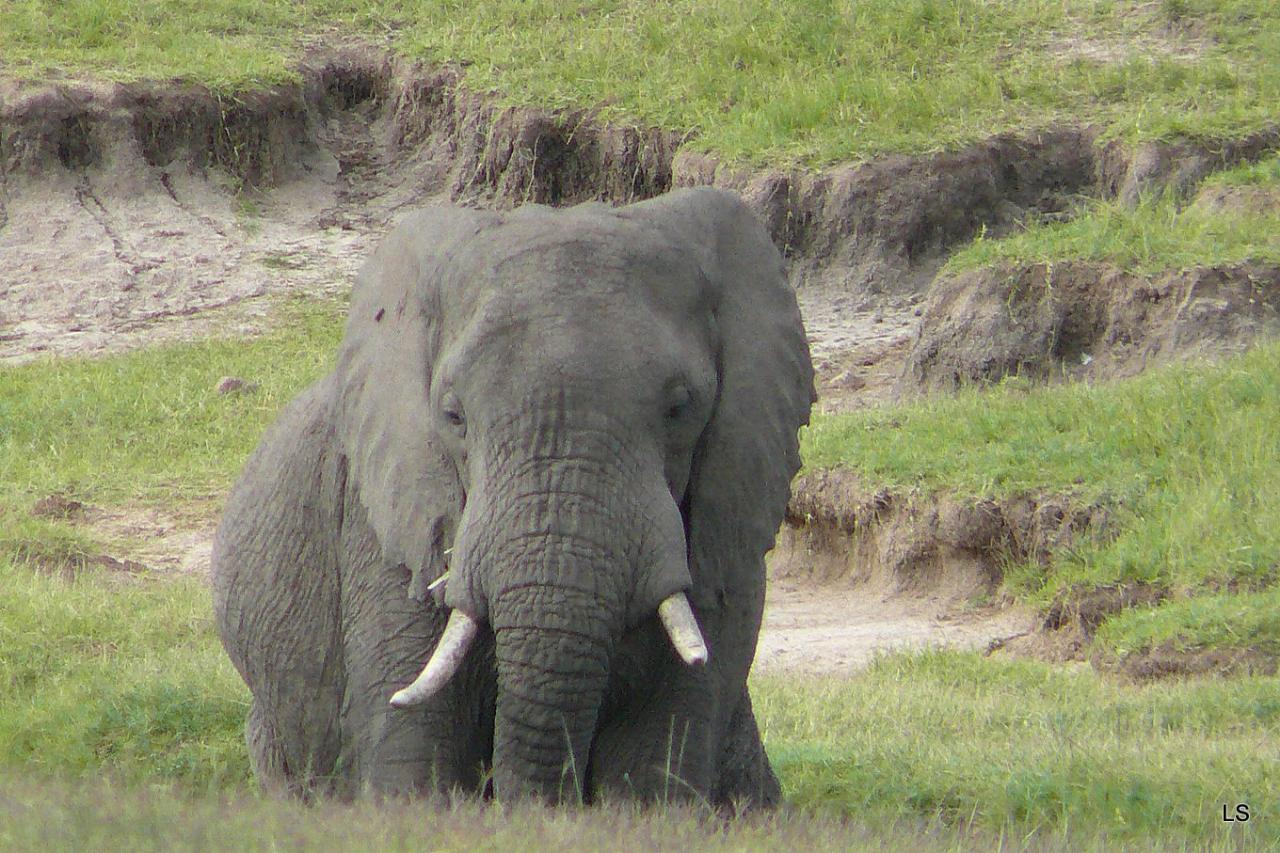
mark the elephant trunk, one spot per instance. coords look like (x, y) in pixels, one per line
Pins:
(553, 646)
(572, 561)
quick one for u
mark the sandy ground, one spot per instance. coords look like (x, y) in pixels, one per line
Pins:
(836, 629)
(128, 255)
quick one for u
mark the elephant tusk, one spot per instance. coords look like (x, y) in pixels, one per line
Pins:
(682, 628)
(445, 660)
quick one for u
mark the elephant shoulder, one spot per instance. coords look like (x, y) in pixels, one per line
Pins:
(300, 438)
(288, 496)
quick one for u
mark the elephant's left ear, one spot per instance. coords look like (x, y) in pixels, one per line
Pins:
(749, 452)
(402, 476)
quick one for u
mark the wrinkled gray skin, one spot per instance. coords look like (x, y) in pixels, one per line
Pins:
(577, 413)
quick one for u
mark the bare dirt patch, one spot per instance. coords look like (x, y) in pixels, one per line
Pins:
(859, 569)
(1253, 201)
(1169, 661)
(136, 540)
(177, 539)
(1164, 34)
(838, 629)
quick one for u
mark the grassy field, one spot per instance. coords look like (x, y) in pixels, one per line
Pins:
(147, 426)
(758, 80)
(110, 674)
(104, 677)
(1162, 233)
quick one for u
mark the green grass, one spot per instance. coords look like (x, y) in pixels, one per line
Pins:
(115, 817)
(1187, 455)
(1264, 173)
(1024, 745)
(103, 674)
(758, 80)
(1159, 234)
(1223, 621)
(148, 426)
(103, 677)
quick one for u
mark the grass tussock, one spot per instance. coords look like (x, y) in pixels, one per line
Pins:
(1229, 620)
(760, 80)
(1161, 233)
(103, 678)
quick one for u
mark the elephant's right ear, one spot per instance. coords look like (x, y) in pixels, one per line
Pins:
(749, 451)
(401, 474)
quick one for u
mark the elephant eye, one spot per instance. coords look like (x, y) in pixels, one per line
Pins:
(678, 400)
(451, 411)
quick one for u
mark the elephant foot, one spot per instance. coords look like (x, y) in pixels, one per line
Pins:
(270, 761)
(745, 780)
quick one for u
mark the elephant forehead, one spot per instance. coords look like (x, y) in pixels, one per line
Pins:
(609, 339)
(558, 256)
(581, 295)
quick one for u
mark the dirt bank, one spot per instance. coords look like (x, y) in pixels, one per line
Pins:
(859, 568)
(954, 549)
(1079, 320)
(135, 212)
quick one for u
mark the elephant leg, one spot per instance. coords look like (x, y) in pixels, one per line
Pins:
(659, 745)
(270, 760)
(275, 596)
(387, 637)
(744, 777)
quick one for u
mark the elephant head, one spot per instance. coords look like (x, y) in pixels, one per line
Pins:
(575, 424)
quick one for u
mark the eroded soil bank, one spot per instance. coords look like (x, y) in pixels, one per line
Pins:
(1084, 321)
(135, 214)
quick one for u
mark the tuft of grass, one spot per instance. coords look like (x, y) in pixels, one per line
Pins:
(757, 80)
(1224, 621)
(43, 544)
(149, 425)
(1159, 234)
(1265, 174)
(1186, 453)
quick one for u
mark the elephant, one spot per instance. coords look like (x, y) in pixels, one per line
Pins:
(513, 543)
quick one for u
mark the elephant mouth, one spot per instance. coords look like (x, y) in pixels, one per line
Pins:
(674, 613)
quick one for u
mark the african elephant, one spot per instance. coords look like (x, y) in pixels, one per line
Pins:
(554, 449)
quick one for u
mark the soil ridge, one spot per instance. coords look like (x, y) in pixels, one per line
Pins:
(879, 228)
(839, 529)
(1084, 320)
